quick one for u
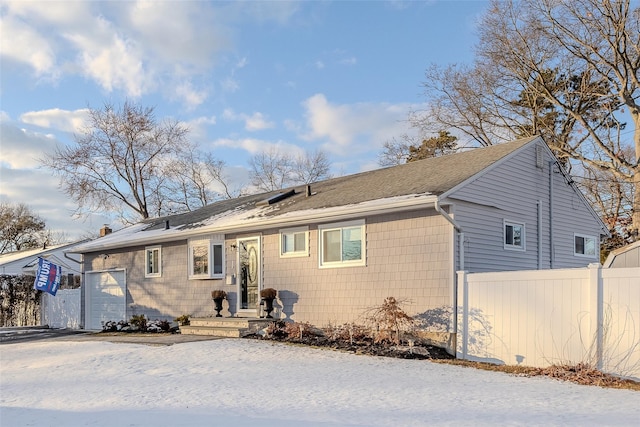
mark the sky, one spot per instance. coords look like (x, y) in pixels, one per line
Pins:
(234, 382)
(244, 77)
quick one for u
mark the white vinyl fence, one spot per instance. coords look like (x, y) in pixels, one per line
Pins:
(544, 317)
(62, 310)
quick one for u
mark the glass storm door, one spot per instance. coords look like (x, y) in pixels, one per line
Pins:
(249, 273)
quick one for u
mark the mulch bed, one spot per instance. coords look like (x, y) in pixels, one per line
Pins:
(368, 347)
(582, 374)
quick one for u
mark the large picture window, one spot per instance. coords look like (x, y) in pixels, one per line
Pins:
(206, 259)
(342, 245)
(153, 262)
(294, 242)
(514, 235)
(585, 246)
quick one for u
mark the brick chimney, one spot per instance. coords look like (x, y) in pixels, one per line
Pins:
(105, 230)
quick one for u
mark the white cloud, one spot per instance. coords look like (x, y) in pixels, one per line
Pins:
(190, 96)
(352, 128)
(198, 127)
(23, 44)
(22, 148)
(55, 118)
(255, 146)
(255, 122)
(349, 61)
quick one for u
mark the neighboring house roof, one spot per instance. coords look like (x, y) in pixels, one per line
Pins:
(395, 188)
(26, 261)
(626, 256)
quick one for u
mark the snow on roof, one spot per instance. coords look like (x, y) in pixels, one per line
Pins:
(245, 218)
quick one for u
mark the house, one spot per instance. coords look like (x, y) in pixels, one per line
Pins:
(338, 247)
(624, 257)
(26, 261)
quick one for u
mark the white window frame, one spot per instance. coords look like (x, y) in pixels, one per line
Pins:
(210, 244)
(510, 246)
(151, 249)
(294, 231)
(584, 246)
(341, 226)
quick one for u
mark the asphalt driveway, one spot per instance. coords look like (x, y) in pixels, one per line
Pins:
(12, 335)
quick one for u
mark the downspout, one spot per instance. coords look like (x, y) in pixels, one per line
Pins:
(458, 229)
(539, 214)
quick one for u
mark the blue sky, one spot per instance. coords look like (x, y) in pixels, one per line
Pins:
(243, 76)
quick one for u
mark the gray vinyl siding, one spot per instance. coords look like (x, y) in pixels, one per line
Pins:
(511, 191)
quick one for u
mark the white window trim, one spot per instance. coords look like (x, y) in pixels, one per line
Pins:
(146, 261)
(510, 247)
(596, 246)
(340, 226)
(210, 243)
(294, 254)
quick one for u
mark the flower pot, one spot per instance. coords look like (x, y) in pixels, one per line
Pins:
(218, 306)
(268, 307)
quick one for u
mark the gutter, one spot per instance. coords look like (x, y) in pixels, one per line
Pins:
(320, 215)
(454, 304)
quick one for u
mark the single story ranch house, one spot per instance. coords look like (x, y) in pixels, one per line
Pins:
(335, 248)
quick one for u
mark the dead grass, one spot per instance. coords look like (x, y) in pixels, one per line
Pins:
(581, 373)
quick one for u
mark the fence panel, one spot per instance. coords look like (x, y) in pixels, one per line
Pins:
(62, 310)
(544, 317)
(621, 321)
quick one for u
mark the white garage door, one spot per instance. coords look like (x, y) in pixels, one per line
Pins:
(106, 297)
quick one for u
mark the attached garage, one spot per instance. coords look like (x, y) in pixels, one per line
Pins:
(106, 297)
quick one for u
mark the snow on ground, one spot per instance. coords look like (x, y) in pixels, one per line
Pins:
(253, 383)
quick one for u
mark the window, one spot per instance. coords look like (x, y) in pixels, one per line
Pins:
(513, 235)
(294, 242)
(342, 245)
(153, 262)
(585, 246)
(206, 259)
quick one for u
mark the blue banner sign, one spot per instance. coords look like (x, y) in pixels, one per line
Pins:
(48, 276)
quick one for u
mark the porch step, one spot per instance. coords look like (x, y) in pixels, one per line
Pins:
(227, 327)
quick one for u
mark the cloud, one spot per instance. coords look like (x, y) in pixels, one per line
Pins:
(198, 127)
(27, 46)
(255, 122)
(55, 118)
(22, 148)
(351, 128)
(349, 61)
(255, 146)
(190, 96)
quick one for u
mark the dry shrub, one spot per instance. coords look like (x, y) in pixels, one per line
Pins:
(388, 321)
(348, 332)
(290, 330)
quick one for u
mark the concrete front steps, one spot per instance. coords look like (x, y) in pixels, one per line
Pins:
(225, 327)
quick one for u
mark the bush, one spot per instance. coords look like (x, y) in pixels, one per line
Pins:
(139, 321)
(19, 301)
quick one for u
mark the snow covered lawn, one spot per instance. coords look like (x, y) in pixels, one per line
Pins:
(254, 383)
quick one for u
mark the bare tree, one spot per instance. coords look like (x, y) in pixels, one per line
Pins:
(409, 149)
(311, 167)
(396, 150)
(20, 228)
(124, 161)
(193, 179)
(573, 66)
(274, 170)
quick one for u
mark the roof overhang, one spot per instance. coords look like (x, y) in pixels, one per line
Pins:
(252, 221)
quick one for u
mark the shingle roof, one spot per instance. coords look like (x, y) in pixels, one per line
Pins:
(429, 176)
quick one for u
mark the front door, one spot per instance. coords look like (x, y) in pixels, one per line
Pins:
(249, 274)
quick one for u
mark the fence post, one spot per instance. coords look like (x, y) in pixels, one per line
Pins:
(464, 284)
(596, 309)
